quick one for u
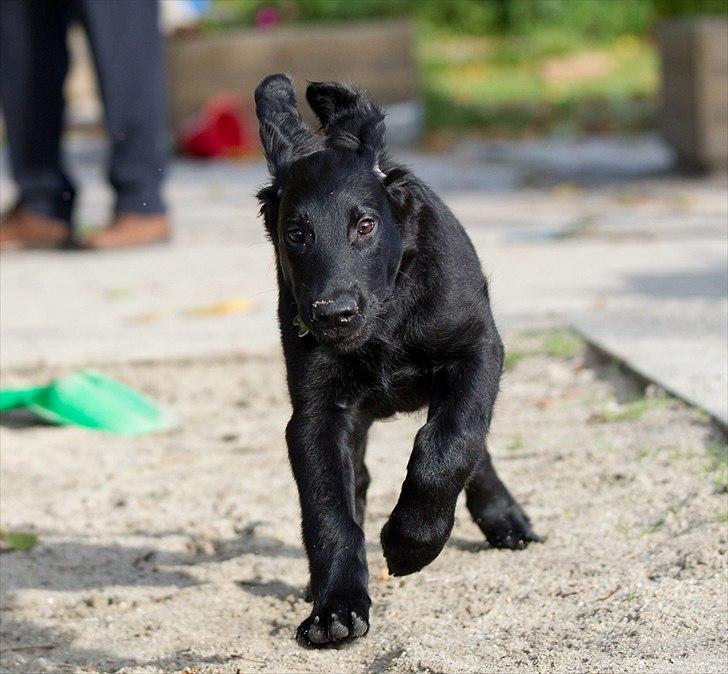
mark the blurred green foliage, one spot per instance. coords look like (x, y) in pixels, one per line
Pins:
(595, 19)
(690, 7)
(243, 12)
(516, 67)
(542, 83)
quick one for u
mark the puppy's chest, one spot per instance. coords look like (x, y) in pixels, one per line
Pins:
(396, 385)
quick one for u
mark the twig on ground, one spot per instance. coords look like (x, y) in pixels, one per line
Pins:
(27, 647)
(609, 594)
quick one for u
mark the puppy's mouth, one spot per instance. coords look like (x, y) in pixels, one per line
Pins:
(344, 337)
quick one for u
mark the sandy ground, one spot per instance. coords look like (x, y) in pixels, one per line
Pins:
(180, 552)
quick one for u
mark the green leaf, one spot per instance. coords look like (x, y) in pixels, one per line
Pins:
(16, 540)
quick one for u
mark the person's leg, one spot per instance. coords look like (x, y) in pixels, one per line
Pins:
(128, 53)
(33, 66)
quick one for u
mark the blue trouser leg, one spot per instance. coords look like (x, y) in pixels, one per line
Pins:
(129, 57)
(33, 66)
(129, 54)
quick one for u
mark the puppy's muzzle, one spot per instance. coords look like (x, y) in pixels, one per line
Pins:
(338, 310)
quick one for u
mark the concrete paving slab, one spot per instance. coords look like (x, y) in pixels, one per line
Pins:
(688, 356)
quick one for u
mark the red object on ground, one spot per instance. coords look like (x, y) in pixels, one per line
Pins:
(267, 17)
(220, 130)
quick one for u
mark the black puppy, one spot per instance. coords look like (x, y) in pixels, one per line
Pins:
(383, 308)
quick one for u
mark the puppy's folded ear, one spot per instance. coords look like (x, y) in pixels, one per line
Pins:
(348, 118)
(282, 132)
(331, 101)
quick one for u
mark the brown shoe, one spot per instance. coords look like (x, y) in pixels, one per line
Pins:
(21, 228)
(132, 229)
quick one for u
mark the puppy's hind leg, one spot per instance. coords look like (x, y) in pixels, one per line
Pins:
(495, 511)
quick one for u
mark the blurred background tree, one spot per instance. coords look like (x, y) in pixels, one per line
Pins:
(515, 67)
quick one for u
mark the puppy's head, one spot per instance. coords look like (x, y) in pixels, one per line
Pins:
(328, 210)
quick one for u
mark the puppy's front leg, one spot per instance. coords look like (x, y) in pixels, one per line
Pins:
(322, 466)
(445, 453)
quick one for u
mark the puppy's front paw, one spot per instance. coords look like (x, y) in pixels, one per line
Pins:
(507, 526)
(410, 545)
(334, 620)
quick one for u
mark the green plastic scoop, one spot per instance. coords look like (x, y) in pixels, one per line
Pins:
(90, 399)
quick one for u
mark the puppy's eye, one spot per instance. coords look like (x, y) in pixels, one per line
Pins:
(295, 235)
(365, 226)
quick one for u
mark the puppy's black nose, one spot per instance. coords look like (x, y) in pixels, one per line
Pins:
(336, 309)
